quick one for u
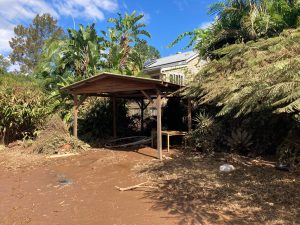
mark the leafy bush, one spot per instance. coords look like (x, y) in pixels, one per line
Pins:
(96, 120)
(207, 133)
(240, 140)
(23, 107)
(289, 150)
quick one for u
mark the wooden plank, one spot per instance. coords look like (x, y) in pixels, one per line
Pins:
(168, 142)
(159, 137)
(82, 99)
(173, 132)
(113, 85)
(75, 119)
(114, 117)
(147, 96)
(110, 89)
(106, 76)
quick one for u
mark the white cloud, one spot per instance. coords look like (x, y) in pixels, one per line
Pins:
(6, 35)
(146, 19)
(206, 24)
(14, 67)
(90, 9)
(13, 12)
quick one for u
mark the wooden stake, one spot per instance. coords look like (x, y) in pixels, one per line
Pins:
(141, 185)
(159, 139)
(75, 116)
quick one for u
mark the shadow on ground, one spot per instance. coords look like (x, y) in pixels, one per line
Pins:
(194, 189)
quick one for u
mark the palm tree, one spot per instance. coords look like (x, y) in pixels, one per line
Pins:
(113, 50)
(242, 21)
(127, 30)
(250, 19)
(140, 54)
(80, 54)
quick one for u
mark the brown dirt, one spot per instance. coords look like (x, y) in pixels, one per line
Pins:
(192, 187)
(35, 190)
(30, 192)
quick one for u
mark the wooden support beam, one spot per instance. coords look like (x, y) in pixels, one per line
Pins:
(147, 96)
(114, 116)
(82, 99)
(189, 114)
(159, 138)
(142, 116)
(75, 119)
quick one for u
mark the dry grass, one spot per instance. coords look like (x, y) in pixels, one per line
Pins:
(255, 193)
(55, 138)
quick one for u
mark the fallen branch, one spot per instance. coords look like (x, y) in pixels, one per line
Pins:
(141, 185)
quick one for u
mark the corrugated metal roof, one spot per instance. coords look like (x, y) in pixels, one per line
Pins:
(173, 60)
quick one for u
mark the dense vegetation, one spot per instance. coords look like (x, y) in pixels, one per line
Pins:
(239, 21)
(248, 92)
(256, 84)
(246, 97)
(23, 107)
(51, 59)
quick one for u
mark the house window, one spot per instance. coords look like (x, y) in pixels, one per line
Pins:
(176, 79)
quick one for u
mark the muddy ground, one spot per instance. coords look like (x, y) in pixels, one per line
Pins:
(80, 190)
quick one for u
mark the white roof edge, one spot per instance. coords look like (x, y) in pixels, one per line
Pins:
(193, 57)
(172, 68)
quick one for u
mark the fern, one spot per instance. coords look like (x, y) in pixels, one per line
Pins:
(253, 77)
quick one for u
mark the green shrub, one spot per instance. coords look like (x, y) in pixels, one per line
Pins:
(23, 107)
(240, 141)
(207, 133)
(289, 151)
(96, 120)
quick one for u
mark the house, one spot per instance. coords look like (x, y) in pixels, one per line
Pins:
(176, 68)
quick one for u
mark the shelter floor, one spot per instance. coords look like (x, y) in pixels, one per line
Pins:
(76, 190)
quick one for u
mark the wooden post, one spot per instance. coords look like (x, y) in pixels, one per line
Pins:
(168, 142)
(75, 109)
(142, 116)
(159, 139)
(189, 115)
(114, 117)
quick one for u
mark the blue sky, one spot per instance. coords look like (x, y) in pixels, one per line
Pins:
(165, 19)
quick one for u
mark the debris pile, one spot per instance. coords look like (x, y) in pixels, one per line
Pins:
(55, 139)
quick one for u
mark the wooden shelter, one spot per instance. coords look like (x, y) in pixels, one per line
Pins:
(123, 86)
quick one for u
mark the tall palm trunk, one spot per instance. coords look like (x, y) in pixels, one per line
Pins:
(125, 49)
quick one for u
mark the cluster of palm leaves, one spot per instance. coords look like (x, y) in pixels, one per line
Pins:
(243, 20)
(127, 30)
(78, 54)
(82, 53)
(253, 77)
